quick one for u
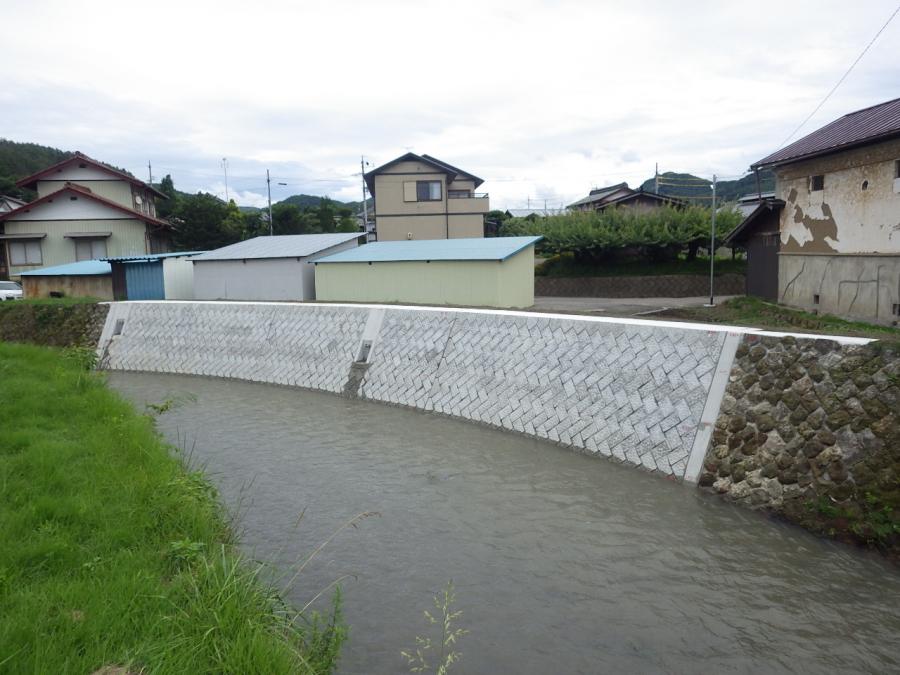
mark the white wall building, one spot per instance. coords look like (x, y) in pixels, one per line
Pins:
(266, 268)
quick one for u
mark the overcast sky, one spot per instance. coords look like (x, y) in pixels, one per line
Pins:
(541, 99)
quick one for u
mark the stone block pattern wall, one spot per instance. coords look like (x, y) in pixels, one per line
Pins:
(309, 347)
(627, 391)
(663, 286)
(811, 430)
(630, 392)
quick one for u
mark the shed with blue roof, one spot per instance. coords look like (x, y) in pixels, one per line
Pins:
(86, 279)
(476, 272)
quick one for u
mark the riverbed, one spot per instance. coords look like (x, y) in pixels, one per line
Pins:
(561, 563)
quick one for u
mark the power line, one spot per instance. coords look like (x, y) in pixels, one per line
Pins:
(840, 81)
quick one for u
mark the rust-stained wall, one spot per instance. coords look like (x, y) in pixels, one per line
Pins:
(74, 286)
(844, 217)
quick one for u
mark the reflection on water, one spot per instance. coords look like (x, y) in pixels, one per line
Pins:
(562, 563)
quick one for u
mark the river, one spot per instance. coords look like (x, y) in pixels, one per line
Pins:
(562, 563)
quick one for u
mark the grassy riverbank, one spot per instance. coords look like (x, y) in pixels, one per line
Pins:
(112, 553)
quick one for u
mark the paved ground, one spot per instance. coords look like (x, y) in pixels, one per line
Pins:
(617, 306)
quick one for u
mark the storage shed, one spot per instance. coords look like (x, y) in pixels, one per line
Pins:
(155, 276)
(491, 272)
(266, 268)
(85, 279)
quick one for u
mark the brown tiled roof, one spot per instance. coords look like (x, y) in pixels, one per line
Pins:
(30, 182)
(864, 126)
(86, 192)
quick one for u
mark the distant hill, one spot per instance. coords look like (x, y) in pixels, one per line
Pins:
(688, 186)
(305, 201)
(18, 160)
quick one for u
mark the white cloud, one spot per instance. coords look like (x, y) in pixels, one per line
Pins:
(542, 99)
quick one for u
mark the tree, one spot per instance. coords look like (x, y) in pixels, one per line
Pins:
(204, 222)
(288, 219)
(326, 215)
(166, 207)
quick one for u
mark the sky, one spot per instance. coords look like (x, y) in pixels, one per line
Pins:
(543, 100)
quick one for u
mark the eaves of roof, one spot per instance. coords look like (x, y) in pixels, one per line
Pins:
(82, 191)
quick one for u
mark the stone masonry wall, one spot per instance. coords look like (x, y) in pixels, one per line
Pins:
(810, 430)
(52, 324)
(663, 286)
(631, 391)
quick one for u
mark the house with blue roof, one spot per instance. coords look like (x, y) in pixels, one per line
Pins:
(472, 272)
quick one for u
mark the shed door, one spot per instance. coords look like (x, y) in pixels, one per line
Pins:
(145, 281)
(762, 265)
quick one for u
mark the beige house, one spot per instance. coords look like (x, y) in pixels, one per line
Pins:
(85, 210)
(836, 217)
(420, 197)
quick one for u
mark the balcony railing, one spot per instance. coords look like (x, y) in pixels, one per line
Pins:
(466, 195)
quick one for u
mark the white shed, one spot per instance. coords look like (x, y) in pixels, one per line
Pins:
(266, 268)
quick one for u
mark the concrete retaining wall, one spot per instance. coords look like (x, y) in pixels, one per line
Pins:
(863, 287)
(646, 393)
(663, 286)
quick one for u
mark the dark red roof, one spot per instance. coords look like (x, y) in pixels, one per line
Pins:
(82, 191)
(862, 127)
(45, 174)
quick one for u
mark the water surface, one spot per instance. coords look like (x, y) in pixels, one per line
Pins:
(562, 563)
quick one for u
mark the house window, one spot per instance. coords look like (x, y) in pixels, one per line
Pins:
(90, 249)
(428, 190)
(816, 183)
(459, 194)
(897, 168)
(25, 253)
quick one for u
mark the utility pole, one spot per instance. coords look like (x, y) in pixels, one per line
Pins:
(712, 245)
(225, 168)
(269, 190)
(362, 172)
(150, 171)
(656, 179)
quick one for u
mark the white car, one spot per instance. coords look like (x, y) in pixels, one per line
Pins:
(10, 290)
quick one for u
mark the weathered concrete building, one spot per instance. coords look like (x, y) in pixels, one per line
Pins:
(837, 206)
(421, 197)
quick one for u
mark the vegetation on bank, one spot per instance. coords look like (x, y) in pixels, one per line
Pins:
(565, 265)
(53, 322)
(114, 553)
(625, 234)
(757, 313)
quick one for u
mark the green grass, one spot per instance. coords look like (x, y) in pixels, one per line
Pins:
(113, 553)
(750, 311)
(59, 302)
(565, 265)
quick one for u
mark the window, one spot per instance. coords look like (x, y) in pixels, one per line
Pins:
(459, 194)
(25, 253)
(90, 249)
(428, 190)
(816, 183)
(897, 168)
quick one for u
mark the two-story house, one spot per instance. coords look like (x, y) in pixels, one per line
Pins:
(84, 210)
(829, 238)
(420, 197)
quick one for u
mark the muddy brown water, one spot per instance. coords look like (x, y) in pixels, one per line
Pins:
(562, 563)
